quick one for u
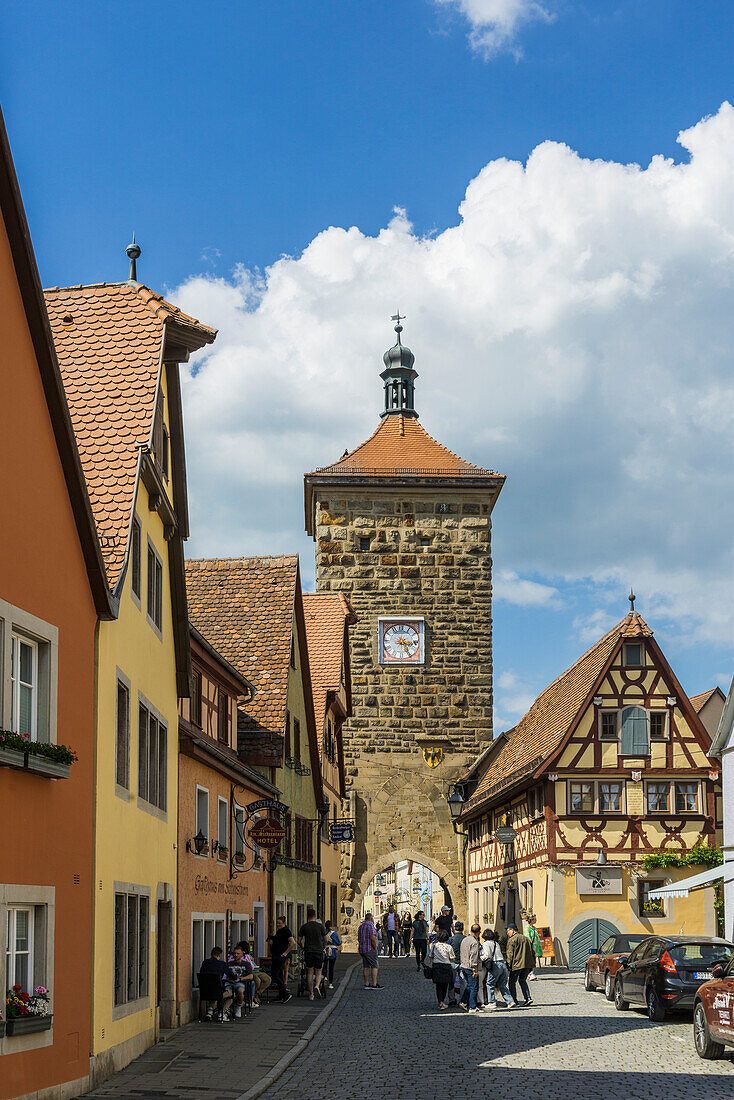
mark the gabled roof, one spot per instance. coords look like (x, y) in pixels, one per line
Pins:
(110, 340)
(29, 284)
(726, 723)
(244, 606)
(698, 702)
(540, 732)
(327, 615)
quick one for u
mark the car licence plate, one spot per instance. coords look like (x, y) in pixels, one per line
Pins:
(702, 975)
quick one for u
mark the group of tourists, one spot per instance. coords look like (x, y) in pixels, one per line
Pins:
(468, 971)
(394, 933)
(241, 978)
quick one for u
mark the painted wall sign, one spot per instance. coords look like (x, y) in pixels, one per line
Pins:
(598, 880)
(267, 832)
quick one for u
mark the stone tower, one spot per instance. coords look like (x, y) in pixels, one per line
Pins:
(402, 527)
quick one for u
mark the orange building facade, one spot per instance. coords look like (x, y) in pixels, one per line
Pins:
(51, 590)
(223, 885)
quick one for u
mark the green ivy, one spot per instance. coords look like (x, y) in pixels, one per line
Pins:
(700, 856)
(62, 754)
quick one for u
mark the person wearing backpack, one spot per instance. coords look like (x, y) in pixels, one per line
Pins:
(496, 971)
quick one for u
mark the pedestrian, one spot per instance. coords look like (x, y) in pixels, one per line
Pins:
(455, 994)
(380, 944)
(495, 970)
(444, 922)
(311, 936)
(532, 933)
(520, 961)
(440, 958)
(407, 933)
(420, 938)
(391, 930)
(332, 949)
(367, 944)
(282, 946)
(469, 959)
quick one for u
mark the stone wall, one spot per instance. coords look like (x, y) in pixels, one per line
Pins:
(423, 552)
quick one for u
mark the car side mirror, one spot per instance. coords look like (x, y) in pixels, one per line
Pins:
(718, 970)
(624, 960)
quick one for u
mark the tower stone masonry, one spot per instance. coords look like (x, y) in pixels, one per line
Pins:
(403, 528)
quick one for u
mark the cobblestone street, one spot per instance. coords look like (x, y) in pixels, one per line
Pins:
(570, 1044)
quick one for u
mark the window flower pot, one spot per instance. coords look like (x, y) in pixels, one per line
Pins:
(42, 765)
(26, 1025)
(12, 758)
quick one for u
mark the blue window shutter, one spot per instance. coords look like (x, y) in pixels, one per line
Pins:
(634, 732)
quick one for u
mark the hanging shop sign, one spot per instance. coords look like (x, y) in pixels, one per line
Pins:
(341, 832)
(268, 832)
(505, 834)
(598, 880)
(267, 804)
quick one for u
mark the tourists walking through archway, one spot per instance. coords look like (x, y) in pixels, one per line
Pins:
(420, 938)
(440, 957)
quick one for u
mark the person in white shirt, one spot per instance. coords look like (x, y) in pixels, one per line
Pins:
(440, 958)
(494, 966)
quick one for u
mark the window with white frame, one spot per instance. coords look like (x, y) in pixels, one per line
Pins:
(206, 932)
(239, 930)
(658, 725)
(686, 798)
(657, 797)
(19, 950)
(131, 946)
(122, 736)
(526, 896)
(202, 811)
(222, 827)
(155, 588)
(608, 725)
(24, 686)
(152, 758)
(590, 797)
(485, 903)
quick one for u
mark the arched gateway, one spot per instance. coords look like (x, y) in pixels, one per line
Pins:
(402, 527)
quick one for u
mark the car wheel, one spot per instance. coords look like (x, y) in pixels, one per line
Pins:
(619, 1002)
(588, 984)
(655, 1009)
(609, 987)
(702, 1041)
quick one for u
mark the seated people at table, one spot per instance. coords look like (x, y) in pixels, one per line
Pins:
(239, 971)
(215, 968)
(262, 980)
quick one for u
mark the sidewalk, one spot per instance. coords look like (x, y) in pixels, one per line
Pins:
(220, 1060)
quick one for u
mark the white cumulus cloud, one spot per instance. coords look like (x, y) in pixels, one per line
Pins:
(495, 24)
(574, 329)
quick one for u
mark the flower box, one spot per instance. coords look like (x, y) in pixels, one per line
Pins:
(12, 758)
(25, 1025)
(43, 766)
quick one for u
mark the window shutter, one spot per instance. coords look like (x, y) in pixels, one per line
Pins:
(634, 732)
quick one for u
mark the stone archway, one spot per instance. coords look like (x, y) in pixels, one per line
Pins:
(446, 874)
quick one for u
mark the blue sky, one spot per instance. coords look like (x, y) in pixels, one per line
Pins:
(230, 135)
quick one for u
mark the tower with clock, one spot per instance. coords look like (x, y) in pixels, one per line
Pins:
(403, 528)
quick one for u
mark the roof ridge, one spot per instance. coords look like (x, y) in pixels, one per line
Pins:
(253, 558)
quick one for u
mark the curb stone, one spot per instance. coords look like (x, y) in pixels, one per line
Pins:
(298, 1048)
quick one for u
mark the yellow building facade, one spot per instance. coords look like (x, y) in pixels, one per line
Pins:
(119, 347)
(608, 767)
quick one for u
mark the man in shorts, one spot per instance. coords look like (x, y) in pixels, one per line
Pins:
(367, 943)
(311, 936)
(239, 971)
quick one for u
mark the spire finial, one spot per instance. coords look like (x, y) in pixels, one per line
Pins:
(133, 251)
(632, 599)
(398, 327)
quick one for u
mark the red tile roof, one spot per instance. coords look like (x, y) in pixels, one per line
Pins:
(109, 343)
(326, 614)
(698, 702)
(540, 732)
(400, 445)
(244, 606)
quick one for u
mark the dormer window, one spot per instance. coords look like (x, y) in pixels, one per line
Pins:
(633, 654)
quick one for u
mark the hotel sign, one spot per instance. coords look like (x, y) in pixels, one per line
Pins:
(599, 880)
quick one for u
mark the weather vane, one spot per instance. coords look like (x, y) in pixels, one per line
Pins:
(398, 318)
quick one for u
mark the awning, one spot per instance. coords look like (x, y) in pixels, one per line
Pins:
(696, 882)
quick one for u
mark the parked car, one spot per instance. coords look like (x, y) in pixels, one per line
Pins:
(603, 964)
(713, 1012)
(665, 972)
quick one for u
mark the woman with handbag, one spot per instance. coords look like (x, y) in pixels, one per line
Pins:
(495, 966)
(440, 957)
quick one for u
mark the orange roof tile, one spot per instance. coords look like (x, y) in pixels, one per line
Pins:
(326, 614)
(109, 341)
(698, 702)
(540, 732)
(400, 445)
(244, 606)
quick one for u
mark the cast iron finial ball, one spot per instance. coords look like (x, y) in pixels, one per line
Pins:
(632, 599)
(133, 251)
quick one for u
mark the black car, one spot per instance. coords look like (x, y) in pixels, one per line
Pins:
(665, 972)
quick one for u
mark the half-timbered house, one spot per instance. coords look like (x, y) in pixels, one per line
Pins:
(608, 766)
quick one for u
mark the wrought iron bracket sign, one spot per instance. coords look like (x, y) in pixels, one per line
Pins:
(341, 831)
(266, 833)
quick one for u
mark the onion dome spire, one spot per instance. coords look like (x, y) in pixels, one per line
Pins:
(399, 376)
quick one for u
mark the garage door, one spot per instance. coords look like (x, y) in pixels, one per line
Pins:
(586, 936)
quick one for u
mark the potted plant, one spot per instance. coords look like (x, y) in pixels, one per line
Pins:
(18, 751)
(27, 1012)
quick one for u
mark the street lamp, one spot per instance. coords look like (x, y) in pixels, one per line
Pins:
(200, 843)
(601, 858)
(456, 803)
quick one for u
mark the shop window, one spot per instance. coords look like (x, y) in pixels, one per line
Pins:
(206, 932)
(647, 906)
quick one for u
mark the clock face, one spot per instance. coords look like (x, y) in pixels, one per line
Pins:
(401, 642)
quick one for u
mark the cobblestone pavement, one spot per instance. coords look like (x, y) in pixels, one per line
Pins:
(570, 1044)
